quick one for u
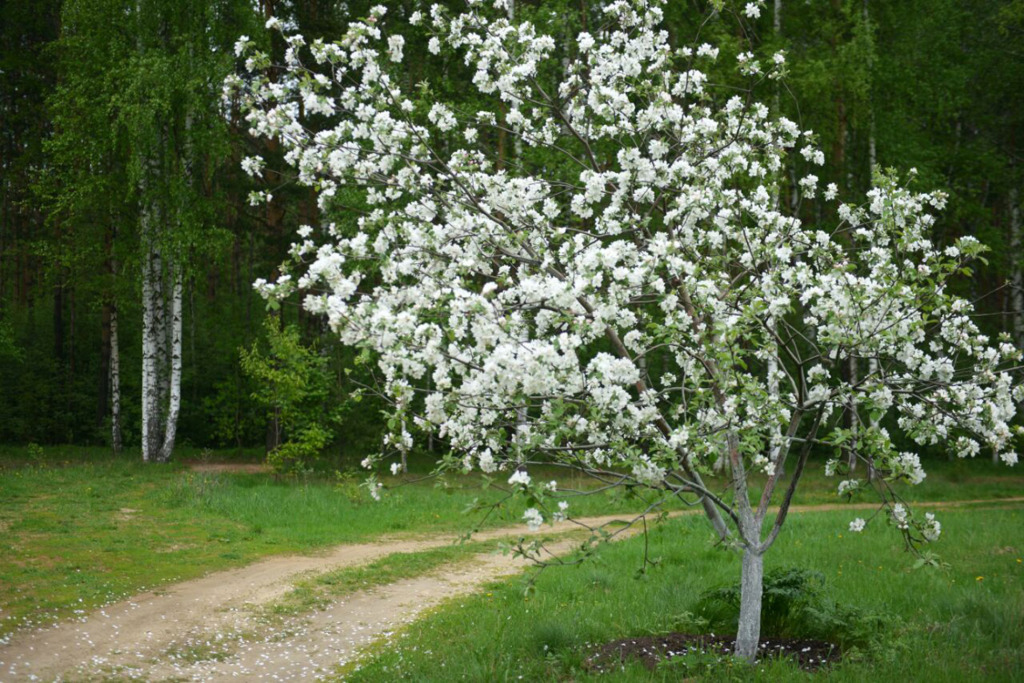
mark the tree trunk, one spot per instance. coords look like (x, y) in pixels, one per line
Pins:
(58, 325)
(852, 419)
(103, 393)
(150, 384)
(174, 382)
(1016, 275)
(1016, 271)
(162, 342)
(748, 631)
(273, 431)
(773, 369)
(115, 384)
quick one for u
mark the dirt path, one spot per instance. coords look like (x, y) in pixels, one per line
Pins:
(207, 629)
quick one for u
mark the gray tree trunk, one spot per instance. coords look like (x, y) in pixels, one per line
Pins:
(115, 384)
(1016, 271)
(748, 631)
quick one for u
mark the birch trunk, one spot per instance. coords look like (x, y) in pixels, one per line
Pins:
(1016, 275)
(748, 631)
(161, 340)
(773, 379)
(103, 389)
(872, 162)
(150, 384)
(404, 452)
(1016, 271)
(872, 146)
(115, 384)
(853, 418)
(174, 382)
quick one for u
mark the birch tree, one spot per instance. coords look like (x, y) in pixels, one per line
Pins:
(177, 132)
(529, 294)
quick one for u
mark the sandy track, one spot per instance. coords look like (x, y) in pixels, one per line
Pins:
(132, 635)
(160, 634)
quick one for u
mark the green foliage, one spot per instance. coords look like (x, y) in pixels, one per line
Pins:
(795, 604)
(9, 350)
(87, 85)
(294, 386)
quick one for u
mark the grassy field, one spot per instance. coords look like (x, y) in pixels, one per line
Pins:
(962, 622)
(79, 529)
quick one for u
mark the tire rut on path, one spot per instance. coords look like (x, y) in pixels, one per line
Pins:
(214, 617)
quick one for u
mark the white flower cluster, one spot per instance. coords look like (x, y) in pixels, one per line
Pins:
(629, 294)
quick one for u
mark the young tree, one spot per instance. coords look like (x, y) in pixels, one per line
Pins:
(629, 299)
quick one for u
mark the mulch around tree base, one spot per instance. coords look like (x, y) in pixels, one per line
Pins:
(810, 655)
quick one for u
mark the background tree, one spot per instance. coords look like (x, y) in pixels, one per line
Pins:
(941, 81)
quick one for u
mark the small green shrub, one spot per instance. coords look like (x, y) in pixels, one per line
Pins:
(795, 604)
(294, 386)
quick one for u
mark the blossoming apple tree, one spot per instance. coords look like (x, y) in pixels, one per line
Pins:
(623, 296)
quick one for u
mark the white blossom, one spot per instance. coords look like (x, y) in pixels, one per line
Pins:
(519, 478)
(533, 518)
(629, 296)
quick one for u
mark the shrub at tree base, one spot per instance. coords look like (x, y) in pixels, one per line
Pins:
(588, 265)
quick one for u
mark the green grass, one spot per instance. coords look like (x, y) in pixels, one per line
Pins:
(319, 591)
(961, 623)
(79, 529)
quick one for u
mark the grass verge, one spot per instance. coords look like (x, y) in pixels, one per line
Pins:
(79, 529)
(319, 591)
(962, 621)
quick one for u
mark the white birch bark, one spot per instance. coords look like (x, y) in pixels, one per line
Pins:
(115, 384)
(773, 377)
(517, 141)
(777, 31)
(1016, 275)
(150, 392)
(404, 451)
(872, 149)
(872, 162)
(161, 340)
(854, 418)
(1016, 271)
(150, 274)
(174, 382)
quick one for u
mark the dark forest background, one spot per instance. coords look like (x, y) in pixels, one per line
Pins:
(936, 85)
